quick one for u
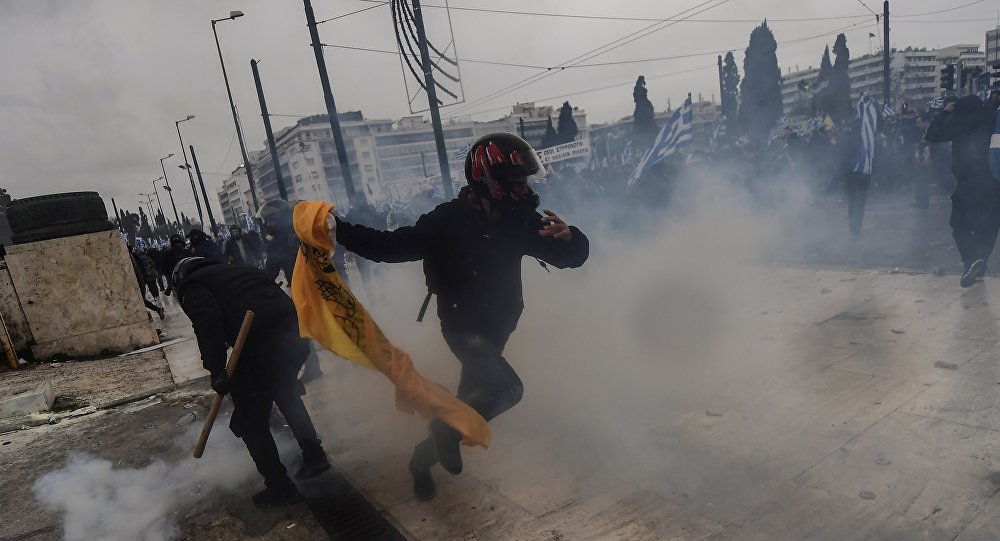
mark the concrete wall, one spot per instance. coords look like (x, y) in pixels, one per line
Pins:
(80, 296)
(13, 316)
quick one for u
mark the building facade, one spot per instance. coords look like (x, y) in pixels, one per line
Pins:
(531, 122)
(993, 46)
(234, 198)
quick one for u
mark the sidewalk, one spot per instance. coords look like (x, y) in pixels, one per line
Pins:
(855, 405)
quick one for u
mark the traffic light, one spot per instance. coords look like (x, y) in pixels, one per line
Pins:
(948, 77)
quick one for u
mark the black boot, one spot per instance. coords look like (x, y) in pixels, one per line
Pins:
(277, 495)
(447, 442)
(314, 462)
(972, 273)
(423, 482)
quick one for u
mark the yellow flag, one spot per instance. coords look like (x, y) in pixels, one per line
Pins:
(330, 313)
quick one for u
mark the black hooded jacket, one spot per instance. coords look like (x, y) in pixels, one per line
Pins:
(472, 265)
(969, 129)
(216, 298)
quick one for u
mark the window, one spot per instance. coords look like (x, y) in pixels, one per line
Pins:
(295, 164)
(310, 161)
(314, 174)
(366, 155)
(369, 167)
(298, 178)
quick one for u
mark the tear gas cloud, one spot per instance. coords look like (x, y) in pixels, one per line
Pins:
(99, 501)
(659, 324)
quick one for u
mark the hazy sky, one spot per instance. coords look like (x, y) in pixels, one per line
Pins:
(91, 89)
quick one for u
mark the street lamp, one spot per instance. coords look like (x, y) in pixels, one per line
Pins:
(232, 107)
(177, 218)
(149, 204)
(187, 166)
(158, 203)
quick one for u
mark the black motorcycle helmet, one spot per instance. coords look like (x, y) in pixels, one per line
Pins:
(176, 240)
(496, 163)
(186, 266)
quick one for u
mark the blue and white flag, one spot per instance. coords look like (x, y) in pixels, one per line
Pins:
(868, 114)
(814, 124)
(995, 149)
(888, 111)
(936, 103)
(718, 133)
(461, 153)
(778, 130)
(672, 137)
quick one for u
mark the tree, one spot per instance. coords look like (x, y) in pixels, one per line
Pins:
(144, 229)
(551, 138)
(760, 90)
(567, 126)
(730, 87)
(643, 122)
(838, 91)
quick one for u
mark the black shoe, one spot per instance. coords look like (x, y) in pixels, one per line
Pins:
(447, 442)
(423, 482)
(277, 496)
(161, 312)
(969, 278)
(314, 462)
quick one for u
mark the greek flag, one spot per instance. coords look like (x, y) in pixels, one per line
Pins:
(868, 114)
(814, 124)
(888, 112)
(674, 134)
(718, 133)
(461, 153)
(995, 149)
(936, 103)
(778, 130)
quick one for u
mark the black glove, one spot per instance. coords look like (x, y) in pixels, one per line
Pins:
(222, 384)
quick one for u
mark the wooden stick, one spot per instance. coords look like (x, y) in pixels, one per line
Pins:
(213, 412)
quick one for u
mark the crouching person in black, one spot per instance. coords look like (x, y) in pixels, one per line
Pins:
(472, 247)
(216, 297)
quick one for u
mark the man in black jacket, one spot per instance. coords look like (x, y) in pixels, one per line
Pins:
(471, 249)
(975, 203)
(172, 257)
(216, 297)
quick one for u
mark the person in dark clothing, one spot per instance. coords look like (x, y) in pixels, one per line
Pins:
(203, 246)
(144, 277)
(233, 249)
(856, 184)
(172, 257)
(282, 250)
(975, 203)
(253, 249)
(216, 297)
(471, 249)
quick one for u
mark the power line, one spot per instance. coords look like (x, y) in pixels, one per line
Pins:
(380, 4)
(942, 10)
(397, 53)
(629, 38)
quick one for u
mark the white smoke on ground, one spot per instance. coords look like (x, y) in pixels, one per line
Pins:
(659, 325)
(98, 501)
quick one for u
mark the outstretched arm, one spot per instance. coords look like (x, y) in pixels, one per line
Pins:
(558, 243)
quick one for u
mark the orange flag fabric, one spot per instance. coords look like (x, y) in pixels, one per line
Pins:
(330, 313)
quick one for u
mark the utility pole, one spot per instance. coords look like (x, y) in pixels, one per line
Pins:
(520, 123)
(722, 87)
(118, 217)
(204, 194)
(270, 134)
(187, 166)
(425, 62)
(331, 105)
(886, 85)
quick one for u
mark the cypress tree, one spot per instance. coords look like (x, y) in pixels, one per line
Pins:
(643, 122)
(730, 87)
(760, 90)
(568, 129)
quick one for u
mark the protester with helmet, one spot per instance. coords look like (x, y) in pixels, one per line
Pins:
(472, 247)
(216, 297)
(172, 257)
(203, 246)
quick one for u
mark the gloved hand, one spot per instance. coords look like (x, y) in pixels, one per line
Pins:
(222, 384)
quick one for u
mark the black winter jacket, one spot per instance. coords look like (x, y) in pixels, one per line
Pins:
(216, 299)
(474, 267)
(969, 133)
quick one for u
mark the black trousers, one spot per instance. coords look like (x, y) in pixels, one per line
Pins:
(271, 378)
(489, 383)
(975, 218)
(856, 185)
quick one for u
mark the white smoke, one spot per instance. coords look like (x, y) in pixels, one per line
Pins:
(101, 502)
